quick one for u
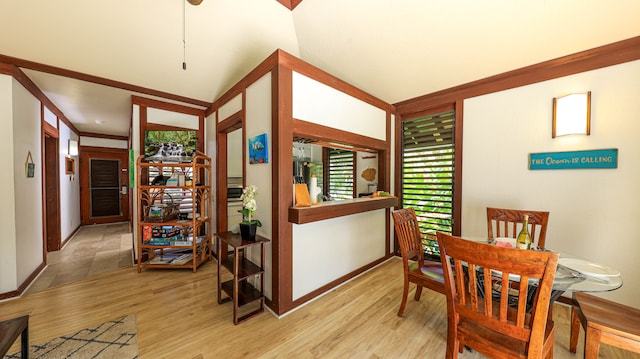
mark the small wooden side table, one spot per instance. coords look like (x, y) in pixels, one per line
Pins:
(237, 262)
(10, 330)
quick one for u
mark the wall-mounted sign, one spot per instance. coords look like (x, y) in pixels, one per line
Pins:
(30, 166)
(607, 158)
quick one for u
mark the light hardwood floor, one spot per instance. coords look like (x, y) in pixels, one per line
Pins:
(178, 317)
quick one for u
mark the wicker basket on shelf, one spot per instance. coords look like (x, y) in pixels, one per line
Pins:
(163, 210)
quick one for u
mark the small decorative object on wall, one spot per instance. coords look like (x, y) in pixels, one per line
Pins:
(369, 174)
(258, 151)
(30, 166)
(69, 166)
(607, 158)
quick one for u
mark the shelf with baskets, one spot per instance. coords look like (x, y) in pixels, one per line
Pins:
(174, 213)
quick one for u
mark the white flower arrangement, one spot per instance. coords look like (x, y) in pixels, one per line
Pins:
(249, 204)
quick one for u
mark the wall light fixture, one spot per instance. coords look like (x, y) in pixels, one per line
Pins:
(572, 115)
(73, 148)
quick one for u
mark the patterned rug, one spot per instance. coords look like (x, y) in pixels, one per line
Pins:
(113, 339)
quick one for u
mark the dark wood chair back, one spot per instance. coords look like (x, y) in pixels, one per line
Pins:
(502, 222)
(408, 233)
(495, 325)
(416, 270)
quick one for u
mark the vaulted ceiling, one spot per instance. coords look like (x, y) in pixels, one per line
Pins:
(393, 49)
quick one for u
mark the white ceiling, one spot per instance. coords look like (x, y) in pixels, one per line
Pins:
(393, 49)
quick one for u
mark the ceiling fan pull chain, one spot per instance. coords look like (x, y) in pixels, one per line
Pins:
(184, 41)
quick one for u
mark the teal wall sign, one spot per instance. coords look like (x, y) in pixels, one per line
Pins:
(574, 159)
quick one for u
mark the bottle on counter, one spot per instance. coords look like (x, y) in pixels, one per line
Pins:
(524, 239)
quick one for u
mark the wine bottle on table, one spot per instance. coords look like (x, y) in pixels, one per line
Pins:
(524, 239)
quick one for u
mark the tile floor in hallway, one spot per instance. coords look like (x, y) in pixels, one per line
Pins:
(93, 250)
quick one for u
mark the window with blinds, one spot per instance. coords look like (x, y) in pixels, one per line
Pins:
(340, 173)
(427, 172)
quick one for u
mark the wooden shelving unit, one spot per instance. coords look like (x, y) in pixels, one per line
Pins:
(239, 290)
(188, 211)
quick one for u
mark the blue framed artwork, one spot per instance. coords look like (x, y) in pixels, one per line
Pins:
(607, 158)
(258, 151)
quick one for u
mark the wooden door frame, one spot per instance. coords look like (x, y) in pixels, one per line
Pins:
(86, 153)
(50, 220)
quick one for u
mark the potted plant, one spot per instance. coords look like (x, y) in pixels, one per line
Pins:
(249, 226)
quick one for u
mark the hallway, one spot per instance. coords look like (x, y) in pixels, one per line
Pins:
(93, 250)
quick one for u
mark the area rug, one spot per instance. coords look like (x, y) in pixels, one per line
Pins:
(113, 339)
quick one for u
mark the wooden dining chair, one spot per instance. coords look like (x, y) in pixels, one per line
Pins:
(491, 325)
(502, 222)
(603, 321)
(416, 269)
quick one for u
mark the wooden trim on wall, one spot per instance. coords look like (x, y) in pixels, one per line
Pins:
(328, 134)
(26, 82)
(232, 122)
(282, 195)
(167, 106)
(144, 103)
(23, 287)
(102, 135)
(457, 170)
(306, 69)
(262, 69)
(47, 128)
(599, 57)
(290, 4)
(98, 80)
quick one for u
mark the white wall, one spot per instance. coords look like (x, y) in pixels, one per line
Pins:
(326, 250)
(316, 102)
(258, 121)
(594, 212)
(28, 191)
(103, 142)
(69, 185)
(50, 117)
(8, 279)
(135, 143)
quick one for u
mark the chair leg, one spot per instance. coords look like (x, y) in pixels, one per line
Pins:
(405, 293)
(592, 339)
(453, 347)
(575, 330)
(418, 293)
(551, 345)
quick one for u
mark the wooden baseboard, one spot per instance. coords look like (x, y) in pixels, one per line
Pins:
(25, 284)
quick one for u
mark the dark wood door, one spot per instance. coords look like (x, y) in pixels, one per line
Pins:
(52, 193)
(104, 186)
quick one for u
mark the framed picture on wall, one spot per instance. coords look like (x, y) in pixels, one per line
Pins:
(258, 151)
(69, 166)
